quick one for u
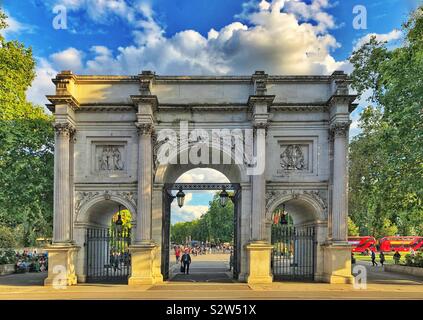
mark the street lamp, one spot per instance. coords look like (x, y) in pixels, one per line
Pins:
(119, 222)
(180, 196)
(224, 196)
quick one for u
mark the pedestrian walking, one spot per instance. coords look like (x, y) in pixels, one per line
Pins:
(177, 253)
(186, 261)
(397, 257)
(374, 263)
(382, 258)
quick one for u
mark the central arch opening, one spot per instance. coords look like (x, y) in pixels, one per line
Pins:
(200, 234)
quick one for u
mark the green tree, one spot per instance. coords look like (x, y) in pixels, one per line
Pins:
(386, 159)
(352, 228)
(7, 238)
(26, 146)
(216, 225)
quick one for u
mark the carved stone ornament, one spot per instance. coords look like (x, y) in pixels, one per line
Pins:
(144, 128)
(83, 197)
(110, 159)
(340, 128)
(64, 128)
(292, 158)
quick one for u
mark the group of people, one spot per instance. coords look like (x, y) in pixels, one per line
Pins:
(396, 257)
(27, 261)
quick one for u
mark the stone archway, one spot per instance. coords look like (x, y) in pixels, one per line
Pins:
(308, 210)
(93, 218)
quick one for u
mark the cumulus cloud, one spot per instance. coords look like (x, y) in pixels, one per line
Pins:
(70, 58)
(276, 36)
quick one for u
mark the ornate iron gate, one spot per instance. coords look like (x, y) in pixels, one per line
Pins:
(294, 252)
(108, 257)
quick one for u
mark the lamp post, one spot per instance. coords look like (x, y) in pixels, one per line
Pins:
(180, 196)
(119, 222)
(224, 196)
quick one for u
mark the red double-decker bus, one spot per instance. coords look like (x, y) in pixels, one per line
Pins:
(401, 243)
(362, 244)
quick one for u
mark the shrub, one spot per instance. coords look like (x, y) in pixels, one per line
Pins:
(414, 260)
(7, 256)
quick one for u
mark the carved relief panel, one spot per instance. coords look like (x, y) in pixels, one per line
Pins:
(109, 158)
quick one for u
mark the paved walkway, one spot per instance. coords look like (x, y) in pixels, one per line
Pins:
(216, 284)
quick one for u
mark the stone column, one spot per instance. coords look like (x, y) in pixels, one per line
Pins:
(339, 130)
(259, 189)
(62, 218)
(144, 251)
(145, 183)
(259, 250)
(62, 253)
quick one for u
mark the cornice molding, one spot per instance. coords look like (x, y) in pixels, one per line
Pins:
(62, 100)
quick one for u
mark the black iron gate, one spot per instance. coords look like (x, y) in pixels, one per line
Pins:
(108, 257)
(294, 252)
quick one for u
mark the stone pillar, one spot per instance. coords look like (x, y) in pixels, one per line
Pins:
(145, 183)
(62, 218)
(259, 250)
(144, 251)
(62, 253)
(337, 252)
(339, 130)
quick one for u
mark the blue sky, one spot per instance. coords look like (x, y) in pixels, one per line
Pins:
(198, 37)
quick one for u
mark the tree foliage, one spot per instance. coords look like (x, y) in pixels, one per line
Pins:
(26, 146)
(386, 158)
(216, 225)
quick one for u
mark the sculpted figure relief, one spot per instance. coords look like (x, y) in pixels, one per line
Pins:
(111, 159)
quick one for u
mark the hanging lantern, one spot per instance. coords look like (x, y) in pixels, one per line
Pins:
(119, 222)
(180, 196)
(224, 196)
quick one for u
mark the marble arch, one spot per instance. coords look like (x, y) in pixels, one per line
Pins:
(105, 129)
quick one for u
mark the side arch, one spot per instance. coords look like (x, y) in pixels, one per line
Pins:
(85, 213)
(313, 206)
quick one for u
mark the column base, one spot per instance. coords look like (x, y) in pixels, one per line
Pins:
(259, 255)
(61, 265)
(337, 263)
(142, 264)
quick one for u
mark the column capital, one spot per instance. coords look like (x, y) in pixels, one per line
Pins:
(64, 128)
(340, 128)
(145, 128)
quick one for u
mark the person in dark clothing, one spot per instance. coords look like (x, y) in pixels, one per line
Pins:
(397, 257)
(186, 261)
(382, 258)
(374, 263)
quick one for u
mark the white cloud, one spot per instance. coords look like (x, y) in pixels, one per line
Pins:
(70, 58)
(383, 37)
(100, 11)
(274, 37)
(15, 27)
(201, 175)
(42, 84)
